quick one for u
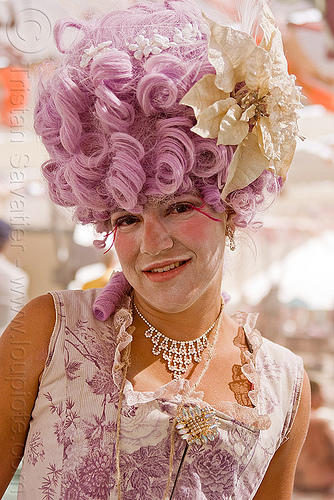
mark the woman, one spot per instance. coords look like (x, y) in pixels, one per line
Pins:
(161, 135)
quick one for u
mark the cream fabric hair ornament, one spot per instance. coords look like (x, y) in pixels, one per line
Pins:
(251, 102)
(144, 47)
(89, 54)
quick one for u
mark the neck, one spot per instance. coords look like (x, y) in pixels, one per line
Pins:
(184, 325)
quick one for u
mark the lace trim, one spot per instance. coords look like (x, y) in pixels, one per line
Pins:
(254, 340)
(175, 389)
(240, 385)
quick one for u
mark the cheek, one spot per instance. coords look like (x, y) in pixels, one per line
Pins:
(195, 229)
(125, 248)
(209, 240)
(199, 231)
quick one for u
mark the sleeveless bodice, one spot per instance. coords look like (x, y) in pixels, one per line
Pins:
(70, 448)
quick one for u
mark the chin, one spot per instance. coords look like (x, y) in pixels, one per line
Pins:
(171, 302)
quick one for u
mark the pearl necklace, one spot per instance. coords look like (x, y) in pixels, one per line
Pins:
(178, 354)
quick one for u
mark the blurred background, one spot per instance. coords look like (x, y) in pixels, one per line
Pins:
(287, 267)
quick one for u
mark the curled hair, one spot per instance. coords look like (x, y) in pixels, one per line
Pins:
(159, 89)
(110, 296)
(175, 154)
(114, 128)
(113, 124)
(109, 74)
(125, 187)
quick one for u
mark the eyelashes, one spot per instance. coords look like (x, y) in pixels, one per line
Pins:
(178, 208)
(182, 208)
(126, 220)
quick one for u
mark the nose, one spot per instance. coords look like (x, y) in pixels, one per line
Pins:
(155, 236)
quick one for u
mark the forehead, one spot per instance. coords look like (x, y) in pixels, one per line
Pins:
(164, 201)
(170, 199)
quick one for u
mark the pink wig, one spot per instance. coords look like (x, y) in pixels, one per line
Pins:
(113, 127)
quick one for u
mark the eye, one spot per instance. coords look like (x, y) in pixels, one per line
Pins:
(126, 220)
(180, 208)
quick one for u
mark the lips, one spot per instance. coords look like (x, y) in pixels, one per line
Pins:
(163, 268)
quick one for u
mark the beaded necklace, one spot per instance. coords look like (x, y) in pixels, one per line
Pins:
(178, 354)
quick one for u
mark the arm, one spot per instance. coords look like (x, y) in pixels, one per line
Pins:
(283, 464)
(23, 350)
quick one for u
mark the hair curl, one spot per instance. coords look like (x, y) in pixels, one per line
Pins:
(114, 129)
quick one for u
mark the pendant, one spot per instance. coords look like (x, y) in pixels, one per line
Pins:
(197, 425)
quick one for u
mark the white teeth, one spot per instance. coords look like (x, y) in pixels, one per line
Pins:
(166, 268)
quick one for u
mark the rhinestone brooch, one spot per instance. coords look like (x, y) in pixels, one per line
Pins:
(197, 425)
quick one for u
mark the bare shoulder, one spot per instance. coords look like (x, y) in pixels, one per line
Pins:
(43, 304)
(23, 351)
(41, 308)
(301, 423)
(284, 462)
(30, 331)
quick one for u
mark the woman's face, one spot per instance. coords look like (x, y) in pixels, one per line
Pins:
(171, 253)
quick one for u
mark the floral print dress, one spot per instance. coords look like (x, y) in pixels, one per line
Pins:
(70, 448)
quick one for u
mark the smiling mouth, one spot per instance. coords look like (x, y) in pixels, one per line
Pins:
(167, 268)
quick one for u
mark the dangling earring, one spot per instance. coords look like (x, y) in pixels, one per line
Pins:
(230, 235)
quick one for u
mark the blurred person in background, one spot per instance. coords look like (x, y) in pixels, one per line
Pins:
(166, 131)
(14, 281)
(315, 468)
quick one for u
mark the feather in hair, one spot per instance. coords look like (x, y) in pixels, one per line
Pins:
(249, 15)
(246, 17)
